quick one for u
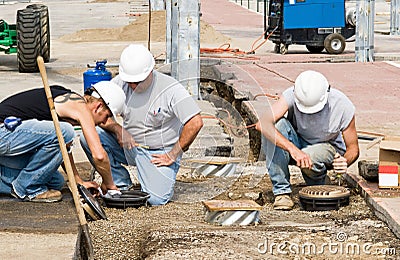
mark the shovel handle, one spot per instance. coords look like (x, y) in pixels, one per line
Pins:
(64, 152)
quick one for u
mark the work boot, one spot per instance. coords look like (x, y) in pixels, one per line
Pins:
(283, 202)
(48, 196)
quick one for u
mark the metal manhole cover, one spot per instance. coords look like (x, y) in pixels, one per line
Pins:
(324, 197)
(324, 191)
(89, 203)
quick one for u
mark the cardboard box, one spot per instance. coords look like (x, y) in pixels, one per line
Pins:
(389, 163)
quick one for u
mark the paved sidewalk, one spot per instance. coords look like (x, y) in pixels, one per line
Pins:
(373, 87)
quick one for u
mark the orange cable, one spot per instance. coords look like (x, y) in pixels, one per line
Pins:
(274, 97)
(269, 35)
(159, 55)
(227, 49)
(275, 72)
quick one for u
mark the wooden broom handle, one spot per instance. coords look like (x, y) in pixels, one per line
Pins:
(64, 152)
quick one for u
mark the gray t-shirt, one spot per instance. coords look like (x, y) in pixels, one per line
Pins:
(155, 117)
(325, 126)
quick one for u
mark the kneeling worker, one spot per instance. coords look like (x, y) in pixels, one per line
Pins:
(29, 153)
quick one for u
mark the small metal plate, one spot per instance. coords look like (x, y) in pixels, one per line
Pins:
(216, 160)
(90, 204)
(218, 205)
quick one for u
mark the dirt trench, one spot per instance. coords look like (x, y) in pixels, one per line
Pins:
(178, 231)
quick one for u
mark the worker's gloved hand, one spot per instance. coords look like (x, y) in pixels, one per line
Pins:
(111, 193)
(339, 164)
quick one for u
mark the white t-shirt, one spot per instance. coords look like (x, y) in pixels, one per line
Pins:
(325, 126)
(155, 117)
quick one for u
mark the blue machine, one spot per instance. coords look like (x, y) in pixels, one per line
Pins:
(318, 24)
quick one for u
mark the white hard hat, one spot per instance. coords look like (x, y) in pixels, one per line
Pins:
(136, 63)
(311, 91)
(112, 94)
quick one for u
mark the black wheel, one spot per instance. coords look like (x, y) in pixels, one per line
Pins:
(334, 43)
(284, 49)
(44, 29)
(277, 48)
(315, 49)
(28, 39)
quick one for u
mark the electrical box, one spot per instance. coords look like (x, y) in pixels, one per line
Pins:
(313, 14)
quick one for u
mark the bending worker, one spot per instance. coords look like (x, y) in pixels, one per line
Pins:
(30, 154)
(312, 126)
(160, 122)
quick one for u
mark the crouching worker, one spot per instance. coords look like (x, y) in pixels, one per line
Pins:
(29, 152)
(311, 126)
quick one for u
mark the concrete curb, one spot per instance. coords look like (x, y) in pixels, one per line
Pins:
(385, 208)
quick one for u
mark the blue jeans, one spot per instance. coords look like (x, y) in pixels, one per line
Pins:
(157, 181)
(30, 157)
(278, 160)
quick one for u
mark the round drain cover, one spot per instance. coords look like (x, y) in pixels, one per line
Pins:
(323, 197)
(128, 198)
(90, 204)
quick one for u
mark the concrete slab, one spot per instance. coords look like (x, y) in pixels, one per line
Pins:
(62, 246)
(38, 230)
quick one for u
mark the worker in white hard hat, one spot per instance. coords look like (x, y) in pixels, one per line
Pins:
(312, 126)
(160, 122)
(30, 155)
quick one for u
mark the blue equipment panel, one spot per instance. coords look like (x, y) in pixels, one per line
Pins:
(301, 14)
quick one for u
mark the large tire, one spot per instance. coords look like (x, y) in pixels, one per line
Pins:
(44, 29)
(334, 43)
(28, 39)
(315, 49)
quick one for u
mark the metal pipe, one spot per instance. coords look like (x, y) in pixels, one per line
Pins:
(364, 48)
(185, 58)
(168, 39)
(395, 17)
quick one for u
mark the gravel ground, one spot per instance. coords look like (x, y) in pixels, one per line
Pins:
(178, 231)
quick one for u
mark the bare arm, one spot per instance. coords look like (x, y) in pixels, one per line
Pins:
(78, 179)
(266, 126)
(76, 110)
(188, 134)
(124, 138)
(351, 140)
